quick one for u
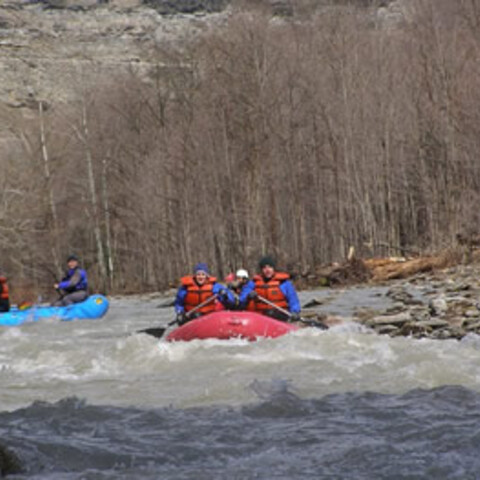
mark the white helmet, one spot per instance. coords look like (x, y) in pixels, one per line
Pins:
(241, 273)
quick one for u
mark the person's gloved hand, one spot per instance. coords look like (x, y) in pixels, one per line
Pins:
(223, 294)
(252, 295)
(181, 318)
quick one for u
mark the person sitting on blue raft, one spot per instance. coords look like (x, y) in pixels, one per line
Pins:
(198, 294)
(74, 285)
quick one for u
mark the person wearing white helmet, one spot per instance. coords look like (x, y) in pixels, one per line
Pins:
(242, 275)
(242, 278)
(242, 281)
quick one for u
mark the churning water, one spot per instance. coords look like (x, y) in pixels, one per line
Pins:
(92, 400)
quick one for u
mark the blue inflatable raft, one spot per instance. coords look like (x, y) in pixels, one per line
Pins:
(95, 306)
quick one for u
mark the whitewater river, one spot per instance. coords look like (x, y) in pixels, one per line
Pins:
(92, 400)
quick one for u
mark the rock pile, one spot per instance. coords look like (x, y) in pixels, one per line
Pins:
(435, 296)
(446, 305)
(441, 305)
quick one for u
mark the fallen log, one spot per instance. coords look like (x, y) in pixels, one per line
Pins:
(394, 270)
(356, 270)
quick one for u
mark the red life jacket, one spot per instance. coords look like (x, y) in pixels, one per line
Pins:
(197, 294)
(4, 289)
(270, 291)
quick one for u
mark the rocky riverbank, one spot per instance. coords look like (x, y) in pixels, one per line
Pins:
(442, 303)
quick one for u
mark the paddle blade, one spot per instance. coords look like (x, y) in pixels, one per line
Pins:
(155, 332)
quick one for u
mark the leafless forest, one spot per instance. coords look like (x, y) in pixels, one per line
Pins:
(299, 137)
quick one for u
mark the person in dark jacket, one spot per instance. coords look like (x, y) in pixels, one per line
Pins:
(198, 289)
(276, 288)
(74, 285)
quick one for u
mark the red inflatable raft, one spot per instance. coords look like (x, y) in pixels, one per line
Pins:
(229, 324)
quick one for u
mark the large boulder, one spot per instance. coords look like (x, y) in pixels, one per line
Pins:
(9, 462)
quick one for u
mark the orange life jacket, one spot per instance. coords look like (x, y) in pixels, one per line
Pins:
(4, 289)
(197, 294)
(270, 291)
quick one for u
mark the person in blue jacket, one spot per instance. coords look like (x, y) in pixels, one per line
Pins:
(271, 293)
(74, 286)
(199, 294)
(239, 284)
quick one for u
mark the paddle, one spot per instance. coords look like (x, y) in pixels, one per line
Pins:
(158, 332)
(310, 323)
